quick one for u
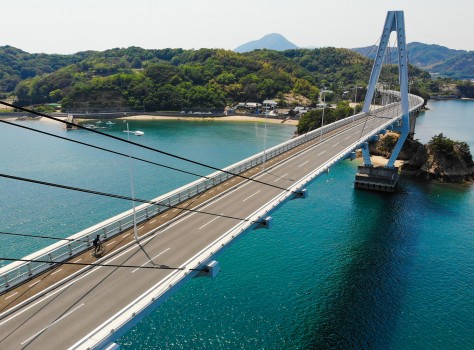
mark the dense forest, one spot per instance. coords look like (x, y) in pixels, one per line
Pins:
(174, 79)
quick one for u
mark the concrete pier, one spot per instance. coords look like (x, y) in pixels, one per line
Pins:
(377, 178)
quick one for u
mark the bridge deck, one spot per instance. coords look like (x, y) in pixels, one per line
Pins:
(90, 308)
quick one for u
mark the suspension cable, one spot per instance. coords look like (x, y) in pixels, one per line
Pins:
(144, 146)
(101, 148)
(110, 195)
(40, 236)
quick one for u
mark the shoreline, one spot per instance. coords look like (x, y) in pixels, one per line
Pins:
(233, 118)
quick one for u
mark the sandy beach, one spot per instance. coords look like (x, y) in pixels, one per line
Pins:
(233, 118)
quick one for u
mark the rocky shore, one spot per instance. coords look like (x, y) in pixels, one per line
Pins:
(441, 159)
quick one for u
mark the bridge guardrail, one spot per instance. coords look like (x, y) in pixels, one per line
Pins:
(18, 272)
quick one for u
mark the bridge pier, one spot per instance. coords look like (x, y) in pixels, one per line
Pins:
(377, 178)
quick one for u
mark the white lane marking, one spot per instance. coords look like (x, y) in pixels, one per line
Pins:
(251, 196)
(52, 324)
(299, 166)
(128, 234)
(348, 137)
(219, 187)
(72, 282)
(163, 216)
(217, 217)
(321, 153)
(111, 243)
(280, 177)
(175, 210)
(335, 144)
(10, 296)
(164, 251)
(55, 272)
(141, 227)
(31, 285)
(152, 221)
(76, 261)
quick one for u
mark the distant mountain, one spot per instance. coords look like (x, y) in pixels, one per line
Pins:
(419, 54)
(459, 67)
(272, 41)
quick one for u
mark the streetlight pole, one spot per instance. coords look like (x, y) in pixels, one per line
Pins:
(264, 140)
(355, 103)
(137, 133)
(322, 119)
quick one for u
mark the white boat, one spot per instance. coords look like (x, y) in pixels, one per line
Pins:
(110, 123)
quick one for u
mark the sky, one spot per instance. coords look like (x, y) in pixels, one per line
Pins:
(70, 26)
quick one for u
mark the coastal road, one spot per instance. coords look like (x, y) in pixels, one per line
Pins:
(67, 316)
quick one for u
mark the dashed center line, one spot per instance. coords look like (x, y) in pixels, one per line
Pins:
(321, 153)
(10, 296)
(280, 177)
(55, 272)
(251, 196)
(152, 221)
(217, 217)
(77, 261)
(164, 251)
(299, 166)
(111, 243)
(31, 285)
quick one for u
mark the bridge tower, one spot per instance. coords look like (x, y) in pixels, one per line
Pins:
(386, 178)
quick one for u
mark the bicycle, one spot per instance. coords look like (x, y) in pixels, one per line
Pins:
(98, 249)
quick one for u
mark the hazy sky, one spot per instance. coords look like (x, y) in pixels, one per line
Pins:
(69, 26)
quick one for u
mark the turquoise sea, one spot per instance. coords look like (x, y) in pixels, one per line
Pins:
(342, 269)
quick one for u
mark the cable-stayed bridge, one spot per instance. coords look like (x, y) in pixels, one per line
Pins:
(91, 306)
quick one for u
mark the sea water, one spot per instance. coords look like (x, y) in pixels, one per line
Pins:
(342, 269)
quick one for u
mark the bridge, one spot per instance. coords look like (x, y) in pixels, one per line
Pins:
(50, 300)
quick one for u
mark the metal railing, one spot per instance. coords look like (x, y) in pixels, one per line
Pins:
(16, 273)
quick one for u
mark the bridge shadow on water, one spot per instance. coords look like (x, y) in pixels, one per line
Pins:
(363, 299)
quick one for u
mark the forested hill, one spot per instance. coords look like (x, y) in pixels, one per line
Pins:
(17, 65)
(458, 67)
(420, 55)
(175, 79)
(439, 60)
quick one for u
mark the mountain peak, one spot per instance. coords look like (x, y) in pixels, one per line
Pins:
(273, 41)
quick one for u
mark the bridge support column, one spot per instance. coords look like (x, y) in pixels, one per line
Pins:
(386, 178)
(366, 155)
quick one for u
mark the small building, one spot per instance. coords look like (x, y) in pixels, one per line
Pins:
(269, 105)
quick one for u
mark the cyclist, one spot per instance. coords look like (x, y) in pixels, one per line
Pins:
(97, 244)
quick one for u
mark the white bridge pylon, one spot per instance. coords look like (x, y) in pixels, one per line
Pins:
(395, 21)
